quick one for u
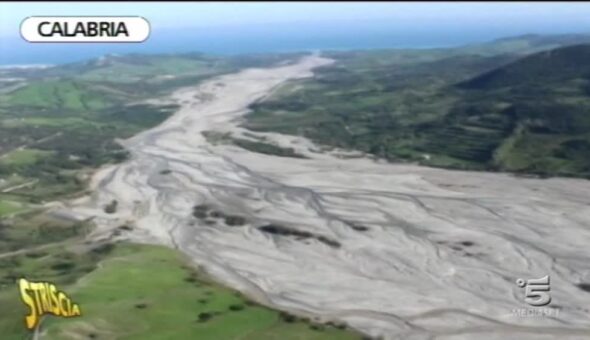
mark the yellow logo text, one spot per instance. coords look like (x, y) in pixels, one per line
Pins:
(44, 298)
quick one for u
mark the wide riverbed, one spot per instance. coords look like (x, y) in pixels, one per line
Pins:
(400, 251)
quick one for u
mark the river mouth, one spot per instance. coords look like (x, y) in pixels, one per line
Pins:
(397, 251)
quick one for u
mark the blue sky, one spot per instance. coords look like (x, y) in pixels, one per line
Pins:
(186, 14)
(258, 27)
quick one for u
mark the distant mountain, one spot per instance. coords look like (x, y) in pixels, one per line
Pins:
(526, 44)
(567, 63)
(514, 104)
(544, 40)
(538, 109)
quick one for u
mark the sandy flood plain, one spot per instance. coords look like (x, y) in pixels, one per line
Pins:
(413, 252)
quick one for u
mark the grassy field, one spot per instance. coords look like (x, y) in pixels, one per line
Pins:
(68, 117)
(23, 157)
(126, 71)
(37, 247)
(58, 94)
(130, 291)
(149, 292)
(55, 122)
(33, 228)
(10, 207)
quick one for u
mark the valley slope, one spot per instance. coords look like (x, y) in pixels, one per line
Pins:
(514, 111)
(396, 251)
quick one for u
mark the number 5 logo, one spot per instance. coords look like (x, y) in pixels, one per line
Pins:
(536, 291)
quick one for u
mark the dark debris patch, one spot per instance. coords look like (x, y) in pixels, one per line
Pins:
(234, 220)
(359, 227)
(111, 208)
(287, 317)
(284, 231)
(236, 308)
(203, 317)
(200, 211)
(329, 242)
(316, 327)
(216, 214)
(280, 230)
(207, 213)
(584, 286)
(338, 325)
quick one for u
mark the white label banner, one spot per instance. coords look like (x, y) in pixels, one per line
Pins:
(100, 29)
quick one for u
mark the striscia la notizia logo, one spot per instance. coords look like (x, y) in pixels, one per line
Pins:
(44, 298)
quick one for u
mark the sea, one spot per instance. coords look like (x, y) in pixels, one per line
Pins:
(251, 39)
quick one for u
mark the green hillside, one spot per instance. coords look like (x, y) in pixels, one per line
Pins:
(72, 114)
(546, 111)
(466, 108)
(549, 67)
